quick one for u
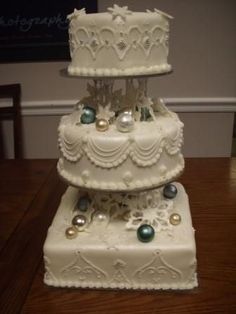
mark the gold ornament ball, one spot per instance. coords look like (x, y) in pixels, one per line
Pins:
(102, 125)
(71, 232)
(175, 219)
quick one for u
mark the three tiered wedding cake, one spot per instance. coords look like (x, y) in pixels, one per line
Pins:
(121, 223)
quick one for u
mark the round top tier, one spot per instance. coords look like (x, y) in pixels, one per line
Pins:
(118, 42)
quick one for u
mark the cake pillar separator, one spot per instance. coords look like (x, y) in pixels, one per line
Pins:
(96, 88)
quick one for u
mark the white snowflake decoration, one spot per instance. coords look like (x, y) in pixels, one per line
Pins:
(119, 13)
(76, 115)
(159, 106)
(76, 13)
(105, 112)
(161, 13)
(157, 217)
(148, 207)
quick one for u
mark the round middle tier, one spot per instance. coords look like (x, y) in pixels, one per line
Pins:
(147, 157)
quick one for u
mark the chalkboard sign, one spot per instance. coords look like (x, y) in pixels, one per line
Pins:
(37, 30)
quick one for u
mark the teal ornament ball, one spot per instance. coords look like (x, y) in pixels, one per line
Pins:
(83, 203)
(88, 116)
(170, 191)
(145, 233)
(145, 114)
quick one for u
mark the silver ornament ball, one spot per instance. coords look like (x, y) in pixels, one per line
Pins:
(125, 122)
(79, 221)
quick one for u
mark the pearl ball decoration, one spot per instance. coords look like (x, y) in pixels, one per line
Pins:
(175, 219)
(145, 233)
(170, 191)
(79, 221)
(71, 232)
(83, 203)
(126, 110)
(88, 116)
(125, 122)
(102, 125)
(100, 217)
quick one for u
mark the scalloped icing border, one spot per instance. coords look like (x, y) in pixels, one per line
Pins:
(120, 186)
(113, 72)
(73, 151)
(193, 283)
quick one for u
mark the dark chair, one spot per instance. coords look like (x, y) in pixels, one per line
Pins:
(13, 112)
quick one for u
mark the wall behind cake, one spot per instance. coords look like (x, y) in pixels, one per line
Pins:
(202, 87)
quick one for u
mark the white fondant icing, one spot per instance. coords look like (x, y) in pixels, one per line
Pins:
(118, 43)
(121, 164)
(145, 151)
(111, 257)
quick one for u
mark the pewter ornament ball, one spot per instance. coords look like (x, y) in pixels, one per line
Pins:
(125, 122)
(145, 233)
(170, 191)
(79, 221)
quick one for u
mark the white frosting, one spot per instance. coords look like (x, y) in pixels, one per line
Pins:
(148, 156)
(109, 256)
(132, 143)
(118, 43)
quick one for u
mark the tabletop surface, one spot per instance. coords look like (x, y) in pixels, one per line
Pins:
(30, 192)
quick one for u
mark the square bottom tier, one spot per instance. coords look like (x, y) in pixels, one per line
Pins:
(112, 257)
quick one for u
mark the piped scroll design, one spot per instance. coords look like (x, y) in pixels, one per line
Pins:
(83, 269)
(48, 276)
(156, 270)
(119, 276)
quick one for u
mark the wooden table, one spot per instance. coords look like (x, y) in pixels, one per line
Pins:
(30, 192)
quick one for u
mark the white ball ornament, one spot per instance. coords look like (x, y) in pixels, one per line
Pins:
(100, 218)
(125, 122)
